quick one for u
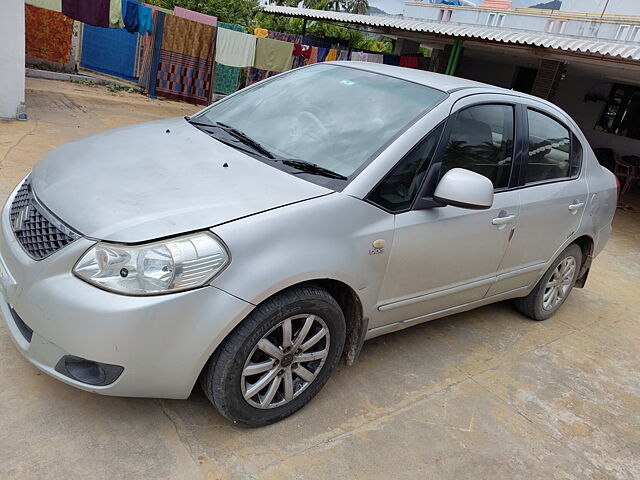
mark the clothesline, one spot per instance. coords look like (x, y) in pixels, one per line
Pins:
(186, 55)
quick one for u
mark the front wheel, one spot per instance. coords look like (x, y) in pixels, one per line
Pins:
(554, 287)
(278, 358)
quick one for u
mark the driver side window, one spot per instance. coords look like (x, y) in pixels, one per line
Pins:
(481, 140)
(399, 188)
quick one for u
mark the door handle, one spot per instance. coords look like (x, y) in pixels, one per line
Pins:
(503, 220)
(576, 206)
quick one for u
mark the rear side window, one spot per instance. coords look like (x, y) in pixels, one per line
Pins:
(550, 151)
(481, 140)
(399, 188)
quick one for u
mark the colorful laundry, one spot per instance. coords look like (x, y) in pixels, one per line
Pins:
(273, 55)
(285, 37)
(54, 5)
(409, 61)
(343, 55)
(95, 12)
(109, 50)
(255, 75)
(358, 56)
(391, 59)
(185, 60)
(235, 49)
(261, 32)
(332, 55)
(313, 57)
(375, 58)
(130, 16)
(47, 35)
(195, 16)
(322, 54)
(145, 23)
(116, 19)
(226, 79)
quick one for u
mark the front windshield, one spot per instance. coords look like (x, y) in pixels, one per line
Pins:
(334, 116)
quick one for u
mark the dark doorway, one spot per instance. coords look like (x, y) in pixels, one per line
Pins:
(524, 79)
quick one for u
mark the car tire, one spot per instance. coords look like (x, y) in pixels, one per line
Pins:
(226, 380)
(547, 297)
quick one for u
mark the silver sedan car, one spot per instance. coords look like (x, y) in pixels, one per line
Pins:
(252, 245)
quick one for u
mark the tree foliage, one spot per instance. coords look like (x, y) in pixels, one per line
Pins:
(240, 12)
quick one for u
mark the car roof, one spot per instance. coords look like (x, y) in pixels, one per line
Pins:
(444, 83)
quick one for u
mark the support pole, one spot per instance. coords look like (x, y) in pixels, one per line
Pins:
(454, 57)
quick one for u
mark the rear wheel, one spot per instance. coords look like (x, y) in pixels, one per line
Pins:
(278, 358)
(554, 287)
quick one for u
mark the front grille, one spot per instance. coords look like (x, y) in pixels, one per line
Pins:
(39, 233)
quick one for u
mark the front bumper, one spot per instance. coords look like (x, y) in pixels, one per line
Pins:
(162, 342)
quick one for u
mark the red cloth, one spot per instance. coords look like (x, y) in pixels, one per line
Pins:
(47, 34)
(301, 51)
(91, 12)
(409, 61)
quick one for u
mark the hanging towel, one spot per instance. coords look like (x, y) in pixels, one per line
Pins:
(261, 32)
(343, 55)
(273, 55)
(145, 24)
(47, 35)
(332, 55)
(55, 5)
(409, 61)
(94, 12)
(375, 57)
(185, 62)
(226, 79)
(109, 50)
(359, 56)
(391, 60)
(195, 16)
(131, 20)
(322, 54)
(235, 49)
(313, 57)
(115, 14)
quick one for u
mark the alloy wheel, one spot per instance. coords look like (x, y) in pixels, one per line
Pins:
(559, 283)
(285, 361)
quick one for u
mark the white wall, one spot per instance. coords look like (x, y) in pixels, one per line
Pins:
(11, 57)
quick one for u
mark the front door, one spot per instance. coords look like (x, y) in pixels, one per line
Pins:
(448, 256)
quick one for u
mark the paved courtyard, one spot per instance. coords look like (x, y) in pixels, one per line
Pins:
(483, 394)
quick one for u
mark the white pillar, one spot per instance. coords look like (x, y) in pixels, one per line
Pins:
(11, 57)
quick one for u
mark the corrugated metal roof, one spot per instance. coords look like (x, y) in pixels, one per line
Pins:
(627, 51)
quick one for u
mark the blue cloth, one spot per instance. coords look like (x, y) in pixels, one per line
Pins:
(130, 18)
(145, 22)
(109, 50)
(322, 54)
(157, 43)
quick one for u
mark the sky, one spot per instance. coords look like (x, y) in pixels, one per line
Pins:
(396, 6)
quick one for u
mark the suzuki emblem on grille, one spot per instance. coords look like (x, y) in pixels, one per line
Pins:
(21, 219)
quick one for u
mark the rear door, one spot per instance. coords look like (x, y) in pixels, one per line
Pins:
(553, 194)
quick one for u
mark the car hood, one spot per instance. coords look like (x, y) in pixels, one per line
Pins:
(158, 179)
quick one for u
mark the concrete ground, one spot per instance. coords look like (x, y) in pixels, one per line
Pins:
(483, 394)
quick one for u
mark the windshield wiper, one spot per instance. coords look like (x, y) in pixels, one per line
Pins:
(309, 167)
(234, 132)
(244, 138)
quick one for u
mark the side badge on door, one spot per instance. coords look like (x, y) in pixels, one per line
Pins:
(378, 247)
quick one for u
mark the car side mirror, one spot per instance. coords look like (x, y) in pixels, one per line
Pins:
(465, 189)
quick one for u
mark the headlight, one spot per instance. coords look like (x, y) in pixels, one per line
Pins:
(159, 267)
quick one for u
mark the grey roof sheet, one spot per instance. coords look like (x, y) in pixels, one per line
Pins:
(594, 46)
